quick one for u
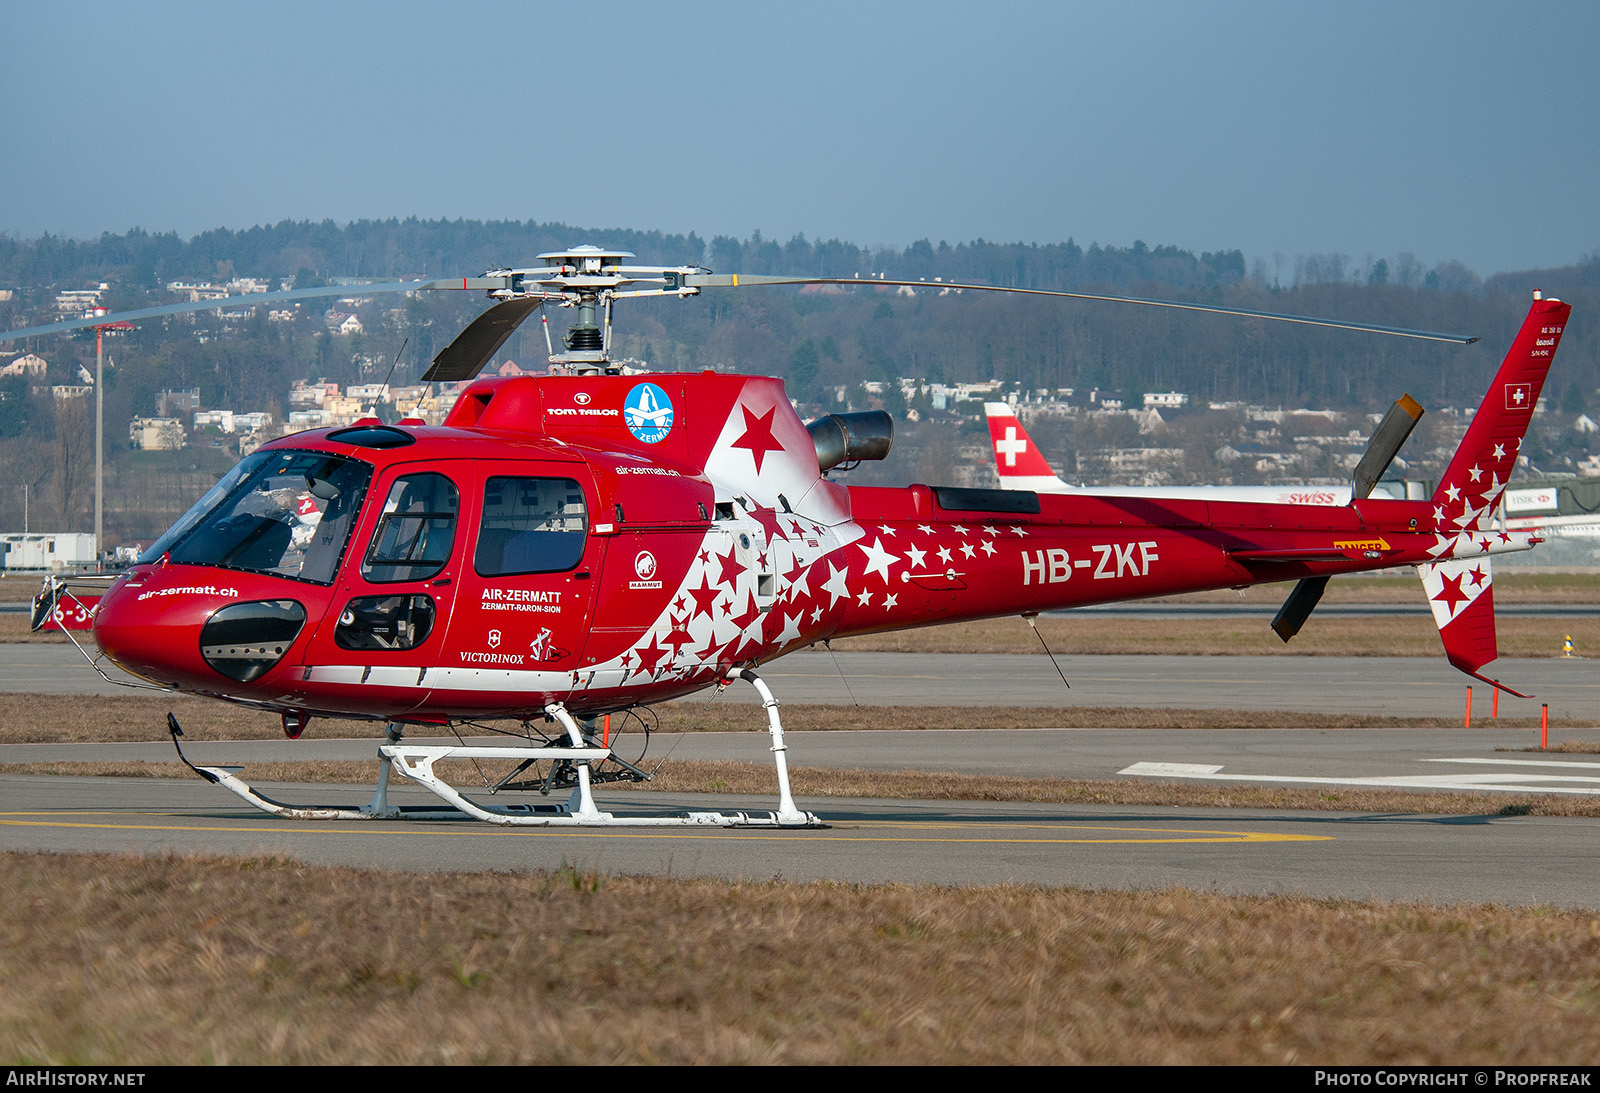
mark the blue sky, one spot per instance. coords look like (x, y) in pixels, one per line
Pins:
(1458, 130)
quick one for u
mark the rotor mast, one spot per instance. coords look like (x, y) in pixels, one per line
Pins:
(591, 279)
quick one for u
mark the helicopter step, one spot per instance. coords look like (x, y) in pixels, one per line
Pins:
(575, 762)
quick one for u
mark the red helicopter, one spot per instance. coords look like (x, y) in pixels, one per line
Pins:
(570, 546)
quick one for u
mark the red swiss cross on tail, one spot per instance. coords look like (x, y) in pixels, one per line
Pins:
(1017, 458)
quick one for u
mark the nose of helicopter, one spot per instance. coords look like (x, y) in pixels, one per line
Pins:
(193, 635)
(152, 629)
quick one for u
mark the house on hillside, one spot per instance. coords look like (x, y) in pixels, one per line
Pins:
(28, 365)
(157, 434)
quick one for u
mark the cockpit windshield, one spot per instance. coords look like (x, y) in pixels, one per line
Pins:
(284, 513)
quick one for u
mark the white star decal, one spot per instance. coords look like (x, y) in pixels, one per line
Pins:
(835, 587)
(988, 548)
(886, 529)
(925, 529)
(1019, 531)
(799, 587)
(1438, 513)
(791, 629)
(915, 556)
(889, 601)
(1453, 493)
(1475, 474)
(878, 559)
(959, 530)
(944, 554)
(966, 548)
(987, 530)
(1499, 451)
(816, 616)
(864, 599)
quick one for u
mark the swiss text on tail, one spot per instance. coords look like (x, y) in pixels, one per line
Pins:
(1459, 585)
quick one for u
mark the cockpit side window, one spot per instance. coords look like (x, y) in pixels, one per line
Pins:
(416, 531)
(530, 525)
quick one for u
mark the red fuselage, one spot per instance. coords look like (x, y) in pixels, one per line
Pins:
(535, 549)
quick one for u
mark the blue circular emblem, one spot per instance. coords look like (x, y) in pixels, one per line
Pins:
(647, 412)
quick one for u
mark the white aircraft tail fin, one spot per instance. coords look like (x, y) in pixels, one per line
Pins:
(1017, 458)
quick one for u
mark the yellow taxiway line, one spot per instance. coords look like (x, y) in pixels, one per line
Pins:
(1114, 833)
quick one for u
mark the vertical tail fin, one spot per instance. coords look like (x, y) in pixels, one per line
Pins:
(1473, 482)
(1460, 585)
(1017, 458)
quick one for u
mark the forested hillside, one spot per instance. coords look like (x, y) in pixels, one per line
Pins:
(821, 341)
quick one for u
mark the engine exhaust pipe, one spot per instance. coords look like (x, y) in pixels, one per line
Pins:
(850, 438)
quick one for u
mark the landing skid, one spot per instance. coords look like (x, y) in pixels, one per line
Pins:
(416, 762)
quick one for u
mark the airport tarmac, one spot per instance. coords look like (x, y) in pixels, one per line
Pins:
(1513, 860)
(1385, 686)
(1507, 859)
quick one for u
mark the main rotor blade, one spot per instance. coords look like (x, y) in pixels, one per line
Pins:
(250, 299)
(481, 340)
(740, 280)
(1385, 444)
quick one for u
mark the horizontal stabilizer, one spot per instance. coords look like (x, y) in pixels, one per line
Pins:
(1335, 553)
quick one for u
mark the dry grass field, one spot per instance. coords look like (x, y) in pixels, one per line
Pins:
(122, 961)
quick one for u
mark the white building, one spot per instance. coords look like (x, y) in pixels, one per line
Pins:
(222, 419)
(157, 434)
(198, 291)
(47, 549)
(28, 365)
(73, 303)
(305, 394)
